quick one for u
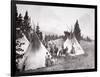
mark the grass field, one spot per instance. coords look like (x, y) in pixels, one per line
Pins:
(85, 61)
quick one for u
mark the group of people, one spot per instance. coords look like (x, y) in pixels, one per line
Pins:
(54, 49)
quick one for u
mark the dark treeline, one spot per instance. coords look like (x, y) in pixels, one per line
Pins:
(23, 27)
(86, 38)
(52, 37)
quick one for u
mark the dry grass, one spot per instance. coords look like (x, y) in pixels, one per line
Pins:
(85, 61)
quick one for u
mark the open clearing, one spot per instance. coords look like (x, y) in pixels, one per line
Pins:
(85, 61)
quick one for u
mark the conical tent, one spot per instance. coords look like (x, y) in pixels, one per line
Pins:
(35, 56)
(73, 46)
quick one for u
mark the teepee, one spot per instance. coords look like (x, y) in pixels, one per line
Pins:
(35, 55)
(72, 45)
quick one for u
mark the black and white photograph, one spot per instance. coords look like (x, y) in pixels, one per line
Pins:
(54, 38)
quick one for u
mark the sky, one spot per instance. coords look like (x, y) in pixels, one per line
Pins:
(59, 19)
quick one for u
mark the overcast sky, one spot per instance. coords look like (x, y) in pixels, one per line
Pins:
(58, 19)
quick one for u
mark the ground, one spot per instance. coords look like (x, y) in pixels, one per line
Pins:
(85, 61)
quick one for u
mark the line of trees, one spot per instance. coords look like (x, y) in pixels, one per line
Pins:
(23, 27)
(51, 37)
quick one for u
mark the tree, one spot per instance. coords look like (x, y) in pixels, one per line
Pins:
(19, 24)
(88, 39)
(23, 27)
(37, 29)
(77, 31)
(16, 14)
(38, 32)
(41, 37)
(26, 26)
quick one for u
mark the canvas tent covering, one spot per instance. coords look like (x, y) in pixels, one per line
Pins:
(73, 46)
(35, 55)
